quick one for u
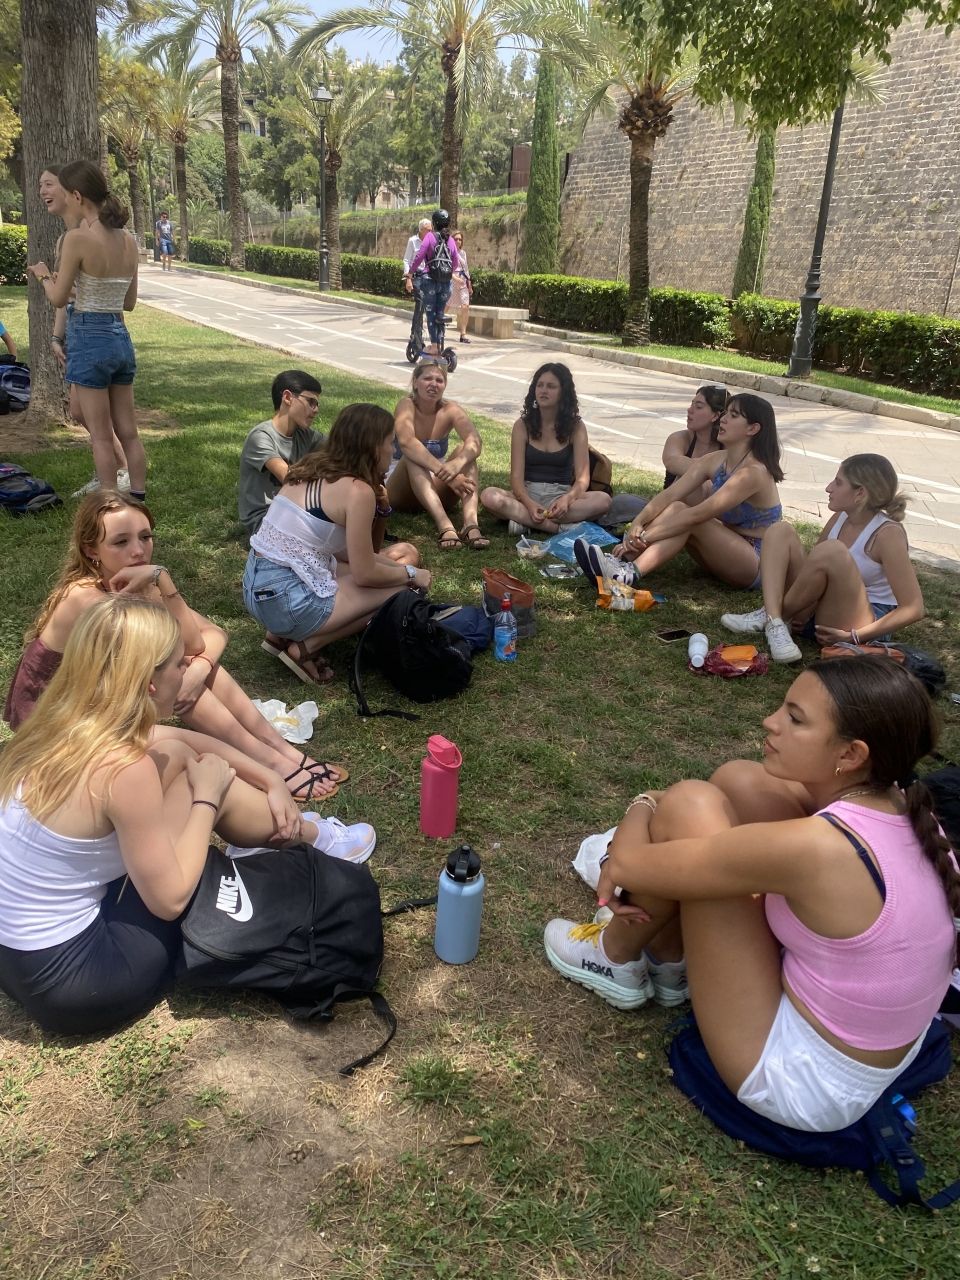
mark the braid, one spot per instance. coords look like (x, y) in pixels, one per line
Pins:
(933, 843)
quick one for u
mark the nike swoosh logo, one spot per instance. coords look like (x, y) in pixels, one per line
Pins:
(244, 910)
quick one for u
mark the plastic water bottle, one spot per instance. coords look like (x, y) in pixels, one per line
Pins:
(697, 648)
(505, 633)
(439, 785)
(459, 905)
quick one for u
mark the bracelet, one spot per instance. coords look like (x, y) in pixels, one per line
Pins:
(169, 595)
(58, 340)
(208, 803)
(157, 570)
(202, 657)
(602, 862)
(855, 639)
(647, 801)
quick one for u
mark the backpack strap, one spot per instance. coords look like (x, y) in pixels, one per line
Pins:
(409, 904)
(356, 686)
(889, 1130)
(383, 1011)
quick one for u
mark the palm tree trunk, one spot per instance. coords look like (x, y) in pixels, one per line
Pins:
(104, 156)
(67, 133)
(230, 115)
(180, 165)
(452, 150)
(333, 229)
(132, 160)
(636, 328)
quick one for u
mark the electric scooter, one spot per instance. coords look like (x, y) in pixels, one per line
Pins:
(416, 344)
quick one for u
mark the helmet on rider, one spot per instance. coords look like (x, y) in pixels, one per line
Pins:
(440, 220)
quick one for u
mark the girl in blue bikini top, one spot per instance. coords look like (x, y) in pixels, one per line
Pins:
(723, 532)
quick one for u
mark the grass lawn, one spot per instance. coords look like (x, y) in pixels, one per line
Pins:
(518, 1126)
(717, 356)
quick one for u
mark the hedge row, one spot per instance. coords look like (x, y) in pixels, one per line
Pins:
(13, 255)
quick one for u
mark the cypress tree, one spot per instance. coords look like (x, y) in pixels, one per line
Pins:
(748, 274)
(542, 227)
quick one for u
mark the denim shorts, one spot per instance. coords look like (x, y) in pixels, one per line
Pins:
(99, 350)
(809, 629)
(281, 602)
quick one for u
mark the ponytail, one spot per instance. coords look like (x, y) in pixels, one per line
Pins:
(934, 844)
(113, 213)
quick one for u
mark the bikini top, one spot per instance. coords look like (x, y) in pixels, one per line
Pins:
(438, 448)
(745, 513)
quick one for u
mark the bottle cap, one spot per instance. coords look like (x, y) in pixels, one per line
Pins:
(463, 864)
(506, 602)
(444, 752)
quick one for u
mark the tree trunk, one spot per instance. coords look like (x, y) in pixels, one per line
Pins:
(413, 182)
(452, 151)
(180, 165)
(70, 132)
(103, 139)
(333, 228)
(748, 273)
(132, 161)
(230, 114)
(636, 328)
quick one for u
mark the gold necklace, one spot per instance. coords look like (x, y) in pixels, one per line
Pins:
(862, 791)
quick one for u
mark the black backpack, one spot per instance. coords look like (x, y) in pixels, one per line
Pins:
(15, 381)
(22, 494)
(302, 927)
(422, 659)
(440, 267)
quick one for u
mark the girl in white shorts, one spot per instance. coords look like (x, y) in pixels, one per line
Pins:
(806, 903)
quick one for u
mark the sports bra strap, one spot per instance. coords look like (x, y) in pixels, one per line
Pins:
(862, 854)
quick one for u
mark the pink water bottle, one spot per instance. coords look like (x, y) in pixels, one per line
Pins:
(439, 784)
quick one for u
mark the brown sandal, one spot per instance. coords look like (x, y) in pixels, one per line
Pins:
(449, 539)
(479, 543)
(300, 665)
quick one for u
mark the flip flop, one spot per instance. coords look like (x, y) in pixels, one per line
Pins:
(449, 539)
(296, 665)
(480, 543)
(275, 650)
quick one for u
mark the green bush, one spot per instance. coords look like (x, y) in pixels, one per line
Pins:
(213, 253)
(763, 326)
(383, 276)
(13, 255)
(274, 260)
(681, 318)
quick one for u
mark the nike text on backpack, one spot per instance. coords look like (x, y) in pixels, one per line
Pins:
(883, 1137)
(440, 267)
(22, 494)
(293, 923)
(423, 659)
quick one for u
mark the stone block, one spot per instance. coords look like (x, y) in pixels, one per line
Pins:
(851, 400)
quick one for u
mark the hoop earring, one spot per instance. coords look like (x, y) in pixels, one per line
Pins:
(837, 771)
(95, 562)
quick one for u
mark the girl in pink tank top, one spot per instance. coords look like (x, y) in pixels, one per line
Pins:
(807, 903)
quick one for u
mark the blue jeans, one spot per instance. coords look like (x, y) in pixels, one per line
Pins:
(436, 295)
(99, 350)
(281, 602)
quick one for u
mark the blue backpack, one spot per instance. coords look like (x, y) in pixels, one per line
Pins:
(884, 1136)
(15, 384)
(22, 494)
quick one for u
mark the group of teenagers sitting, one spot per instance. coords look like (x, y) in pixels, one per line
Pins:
(804, 904)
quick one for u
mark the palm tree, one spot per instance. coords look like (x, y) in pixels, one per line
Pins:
(355, 105)
(186, 104)
(466, 35)
(231, 27)
(128, 94)
(639, 74)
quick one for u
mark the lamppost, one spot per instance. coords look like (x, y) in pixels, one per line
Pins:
(322, 99)
(801, 357)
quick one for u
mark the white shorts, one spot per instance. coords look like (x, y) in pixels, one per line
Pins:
(805, 1083)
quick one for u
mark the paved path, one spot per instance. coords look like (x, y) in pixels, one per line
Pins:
(628, 411)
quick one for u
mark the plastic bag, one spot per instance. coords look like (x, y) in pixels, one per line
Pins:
(621, 598)
(295, 725)
(561, 544)
(732, 661)
(587, 862)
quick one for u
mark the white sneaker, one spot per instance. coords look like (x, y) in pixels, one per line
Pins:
(517, 529)
(607, 566)
(90, 487)
(334, 838)
(780, 641)
(745, 624)
(123, 480)
(575, 950)
(669, 979)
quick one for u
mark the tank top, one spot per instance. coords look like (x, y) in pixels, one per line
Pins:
(553, 466)
(668, 476)
(880, 989)
(50, 885)
(878, 588)
(304, 543)
(100, 293)
(35, 670)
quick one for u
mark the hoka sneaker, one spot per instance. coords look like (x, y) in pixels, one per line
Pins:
(581, 549)
(745, 624)
(90, 487)
(576, 951)
(334, 838)
(781, 642)
(669, 979)
(516, 529)
(607, 566)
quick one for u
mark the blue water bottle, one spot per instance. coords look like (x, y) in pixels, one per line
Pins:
(505, 633)
(459, 904)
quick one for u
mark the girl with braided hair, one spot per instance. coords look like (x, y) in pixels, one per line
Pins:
(813, 900)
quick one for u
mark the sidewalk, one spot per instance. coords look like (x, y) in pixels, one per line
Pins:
(628, 410)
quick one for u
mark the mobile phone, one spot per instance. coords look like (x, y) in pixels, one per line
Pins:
(672, 635)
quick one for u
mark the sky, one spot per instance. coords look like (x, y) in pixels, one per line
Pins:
(359, 44)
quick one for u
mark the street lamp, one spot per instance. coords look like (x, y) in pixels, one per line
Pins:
(322, 100)
(801, 357)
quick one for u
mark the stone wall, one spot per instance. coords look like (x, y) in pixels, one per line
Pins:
(894, 230)
(491, 238)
